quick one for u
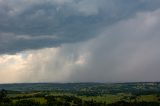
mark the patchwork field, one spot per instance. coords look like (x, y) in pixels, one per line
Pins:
(80, 94)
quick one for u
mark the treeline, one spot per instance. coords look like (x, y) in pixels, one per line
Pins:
(87, 89)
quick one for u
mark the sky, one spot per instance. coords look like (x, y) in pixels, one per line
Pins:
(79, 41)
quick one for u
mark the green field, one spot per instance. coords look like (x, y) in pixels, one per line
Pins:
(81, 94)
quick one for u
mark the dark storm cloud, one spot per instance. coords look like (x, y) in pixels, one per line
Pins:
(126, 52)
(38, 24)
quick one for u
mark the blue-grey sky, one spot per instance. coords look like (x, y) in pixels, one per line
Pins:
(79, 40)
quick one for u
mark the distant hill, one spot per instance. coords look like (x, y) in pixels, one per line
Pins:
(143, 87)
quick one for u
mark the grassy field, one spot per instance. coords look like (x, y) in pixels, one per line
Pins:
(81, 93)
(107, 98)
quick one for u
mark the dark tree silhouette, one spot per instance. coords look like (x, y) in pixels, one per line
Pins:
(3, 94)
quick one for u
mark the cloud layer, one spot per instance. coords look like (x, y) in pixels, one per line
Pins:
(79, 40)
(36, 24)
(127, 51)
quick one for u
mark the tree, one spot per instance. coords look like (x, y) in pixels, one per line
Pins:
(3, 94)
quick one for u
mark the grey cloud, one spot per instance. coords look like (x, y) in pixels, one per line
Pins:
(66, 21)
(127, 51)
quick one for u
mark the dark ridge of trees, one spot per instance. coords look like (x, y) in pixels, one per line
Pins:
(4, 101)
(3, 94)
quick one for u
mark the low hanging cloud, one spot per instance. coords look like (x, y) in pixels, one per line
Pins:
(45, 65)
(126, 51)
(36, 24)
(79, 41)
